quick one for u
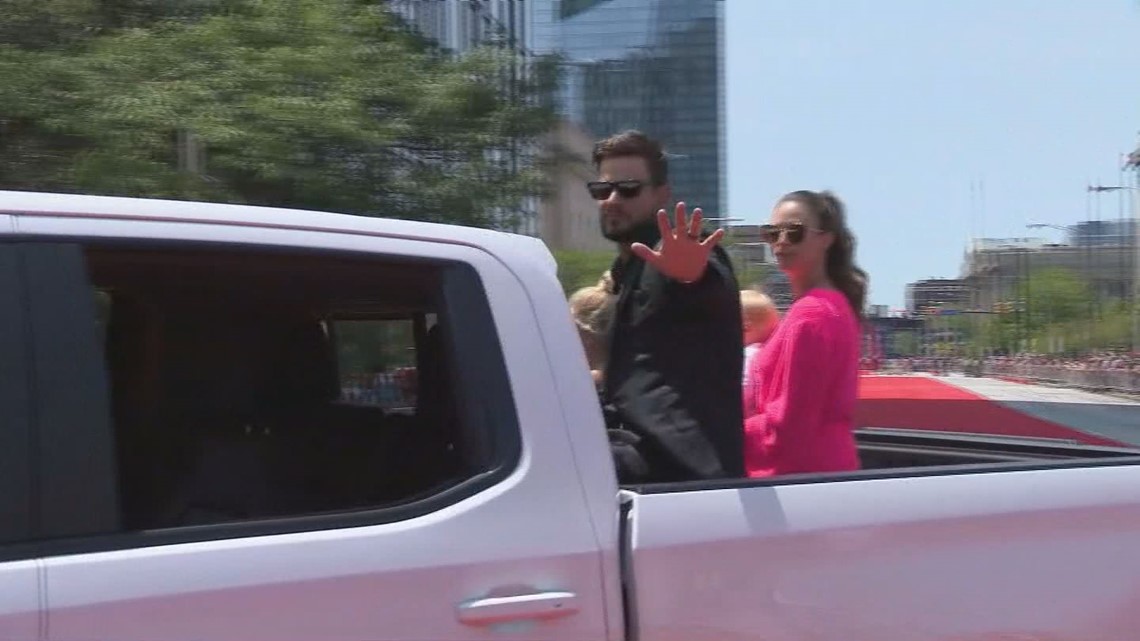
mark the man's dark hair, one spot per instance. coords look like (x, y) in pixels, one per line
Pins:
(634, 143)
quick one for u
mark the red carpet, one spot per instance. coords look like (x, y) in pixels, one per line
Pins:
(917, 402)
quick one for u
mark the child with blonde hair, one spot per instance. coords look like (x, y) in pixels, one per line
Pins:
(592, 309)
(760, 318)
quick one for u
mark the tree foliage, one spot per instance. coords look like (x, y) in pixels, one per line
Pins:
(578, 269)
(319, 104)
(1055, 295)
(1055, 311)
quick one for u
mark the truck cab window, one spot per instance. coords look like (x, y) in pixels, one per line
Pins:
(271, 386)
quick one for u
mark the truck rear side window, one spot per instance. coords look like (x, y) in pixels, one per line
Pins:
(376, 362)
(261, 387)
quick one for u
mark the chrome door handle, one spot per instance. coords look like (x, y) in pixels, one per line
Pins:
(501, 609)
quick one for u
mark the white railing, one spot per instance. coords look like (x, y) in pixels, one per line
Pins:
(1084, 377)
(1100, 379)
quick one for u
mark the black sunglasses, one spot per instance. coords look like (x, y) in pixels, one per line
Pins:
(795, 233)
(602, 189)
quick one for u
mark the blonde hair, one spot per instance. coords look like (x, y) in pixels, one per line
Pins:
(592, 309)
(757, 306)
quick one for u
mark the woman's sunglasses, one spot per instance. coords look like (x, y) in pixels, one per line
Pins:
(602, 189)
(795, 233)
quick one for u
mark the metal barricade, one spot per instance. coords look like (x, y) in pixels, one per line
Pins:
(1068, 376)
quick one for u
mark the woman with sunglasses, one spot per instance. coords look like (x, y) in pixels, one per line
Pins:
(800, 406)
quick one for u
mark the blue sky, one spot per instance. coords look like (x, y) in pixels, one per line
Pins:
(901, 105)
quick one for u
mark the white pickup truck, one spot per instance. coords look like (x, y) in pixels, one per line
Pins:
(239, 423)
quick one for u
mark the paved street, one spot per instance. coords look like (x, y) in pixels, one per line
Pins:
(1103, 415)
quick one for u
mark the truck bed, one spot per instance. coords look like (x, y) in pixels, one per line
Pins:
(888, 448)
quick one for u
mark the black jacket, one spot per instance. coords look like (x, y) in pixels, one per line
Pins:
(672, 390)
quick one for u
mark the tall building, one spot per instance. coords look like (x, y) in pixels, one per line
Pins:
(1101, 233)
(461, 25)
(653, 65)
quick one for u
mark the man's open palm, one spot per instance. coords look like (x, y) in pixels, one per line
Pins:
(683, 255)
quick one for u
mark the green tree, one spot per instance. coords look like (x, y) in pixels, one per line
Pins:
(577, 269)
(1051, 311)
(317, 104)
(1054, 295)
(905, 343)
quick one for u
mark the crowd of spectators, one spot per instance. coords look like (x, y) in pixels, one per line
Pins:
(391, 389)
(1097, 361)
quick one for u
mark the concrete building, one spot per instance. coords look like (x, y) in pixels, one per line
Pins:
(994, 267)
(755, 264)
(743, 243)
(878, 311)
(944, 293)
(568, 216)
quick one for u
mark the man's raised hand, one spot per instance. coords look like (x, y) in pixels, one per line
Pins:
(683, 255)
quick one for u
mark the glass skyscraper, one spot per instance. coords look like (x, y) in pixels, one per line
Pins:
(653, 65)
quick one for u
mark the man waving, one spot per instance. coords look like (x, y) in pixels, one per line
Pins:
(673, 375)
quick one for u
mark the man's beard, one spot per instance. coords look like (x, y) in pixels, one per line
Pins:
(645, 232)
